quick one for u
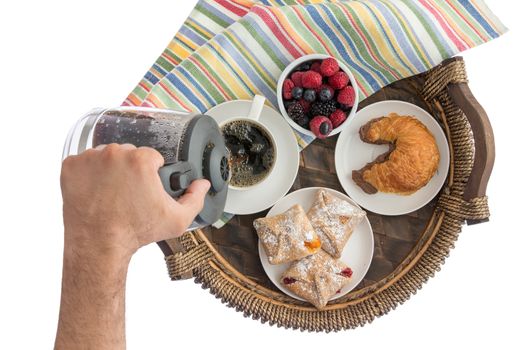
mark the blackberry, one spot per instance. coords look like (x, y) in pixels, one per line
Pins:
(295, 111)
(303, 121)
(287, 104)
(323, 108)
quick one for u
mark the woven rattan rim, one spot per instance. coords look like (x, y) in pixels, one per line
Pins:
(199, 259)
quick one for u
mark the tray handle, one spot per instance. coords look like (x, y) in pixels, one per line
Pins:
(485, 153)
(183, 255)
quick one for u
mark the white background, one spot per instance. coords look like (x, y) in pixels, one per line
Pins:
(60, 58)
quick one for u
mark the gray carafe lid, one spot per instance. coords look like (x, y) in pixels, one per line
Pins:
(203, 148)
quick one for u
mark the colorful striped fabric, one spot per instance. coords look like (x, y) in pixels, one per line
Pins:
(207, 19)
(234, 49)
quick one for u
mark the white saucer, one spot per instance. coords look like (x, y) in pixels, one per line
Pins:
(357, 254)
(281, 179)
(351, 153)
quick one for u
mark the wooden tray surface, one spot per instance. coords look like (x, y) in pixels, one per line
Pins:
(395, 236)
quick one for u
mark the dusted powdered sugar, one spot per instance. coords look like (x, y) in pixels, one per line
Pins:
(338, 216)
(316, 264)
(334, 220)
(283, 236)
(317, 278)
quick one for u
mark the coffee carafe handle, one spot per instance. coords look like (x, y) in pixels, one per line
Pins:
(177, 177)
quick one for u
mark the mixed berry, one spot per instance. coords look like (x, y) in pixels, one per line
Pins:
(318, 96)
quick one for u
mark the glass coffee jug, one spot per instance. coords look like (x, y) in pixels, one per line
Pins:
(191, 144)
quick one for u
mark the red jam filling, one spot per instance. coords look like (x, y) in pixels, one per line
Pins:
(347, 272)
(289, 280)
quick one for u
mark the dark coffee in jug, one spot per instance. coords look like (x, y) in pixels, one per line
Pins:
(162, 134)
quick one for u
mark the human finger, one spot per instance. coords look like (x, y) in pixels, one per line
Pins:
(190, 204)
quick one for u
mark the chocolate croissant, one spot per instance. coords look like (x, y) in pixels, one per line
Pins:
(410, 163)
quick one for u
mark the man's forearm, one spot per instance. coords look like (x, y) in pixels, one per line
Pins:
(114, 203)
(93, 297)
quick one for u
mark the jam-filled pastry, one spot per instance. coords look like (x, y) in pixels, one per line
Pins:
(288, 236)
(410, 163)
(317, 278)
(334, 221)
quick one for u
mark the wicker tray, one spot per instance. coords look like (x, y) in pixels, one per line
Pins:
(409, 249)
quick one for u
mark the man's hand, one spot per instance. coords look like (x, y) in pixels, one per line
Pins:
(114, 201)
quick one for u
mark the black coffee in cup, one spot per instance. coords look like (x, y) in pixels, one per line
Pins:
(252, 152)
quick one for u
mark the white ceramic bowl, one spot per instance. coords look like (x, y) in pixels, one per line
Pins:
(287, 72)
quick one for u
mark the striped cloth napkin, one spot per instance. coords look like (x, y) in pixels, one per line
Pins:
(234, 49)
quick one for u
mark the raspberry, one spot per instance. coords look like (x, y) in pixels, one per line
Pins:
(321, 126)
(347, 272)
(337, 118)
(339, 80)
(316, 67)
(288, 86)
(297, 78)
(289, 280)
(329, 67)
(312, 80)
(346, 96)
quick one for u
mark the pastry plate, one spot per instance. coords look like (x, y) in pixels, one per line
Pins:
(351, 153)
(357, 254)
(281, 179)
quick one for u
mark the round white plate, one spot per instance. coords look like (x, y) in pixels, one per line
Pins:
(357, 254)
(281, 179)
(351, 153)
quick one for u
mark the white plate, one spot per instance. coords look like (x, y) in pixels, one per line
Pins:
(351, 153)
(357, 254)
(281, 179)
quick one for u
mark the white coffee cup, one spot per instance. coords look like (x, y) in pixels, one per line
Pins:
(253, 117)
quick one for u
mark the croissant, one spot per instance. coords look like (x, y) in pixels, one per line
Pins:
(411, 161)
